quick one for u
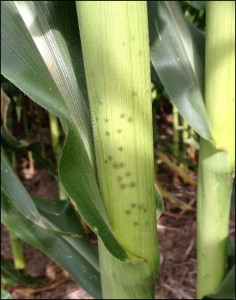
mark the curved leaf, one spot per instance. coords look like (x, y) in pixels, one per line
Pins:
(27, 67)
(46, 25)
(19, 197)
(47, 66)
(177, 63)
(5, 294)
(13, 277)
(62, 214)
(77, 177)
(13, 188)
(199, 41)
(58, 248)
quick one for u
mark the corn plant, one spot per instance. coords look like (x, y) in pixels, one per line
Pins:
(89, 64)
(217, 160)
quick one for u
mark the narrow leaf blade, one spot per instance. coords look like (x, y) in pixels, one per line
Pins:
(177, 63)
(58, 248)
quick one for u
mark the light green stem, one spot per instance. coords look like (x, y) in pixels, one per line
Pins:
(16, 247)
(115, 47)
(216, 163)
(17, 253)
(55, 134)
(175, 130)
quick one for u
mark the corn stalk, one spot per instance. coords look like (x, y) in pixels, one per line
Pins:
(217, 162)
(115, 48)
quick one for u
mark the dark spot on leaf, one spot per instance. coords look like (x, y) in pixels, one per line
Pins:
(128, 211)
(130, 120)
(119, 130)
(135, 223)
(118, 165)
(119, 178)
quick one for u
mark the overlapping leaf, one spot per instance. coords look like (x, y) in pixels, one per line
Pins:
(176, 60)
(16, 192)
(62, 214)
(63, 250)
(13, 277)
(41, 55)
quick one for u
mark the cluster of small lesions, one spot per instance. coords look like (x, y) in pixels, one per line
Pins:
(129, 119)
(132, 209)
(124, 181)
(124, 178)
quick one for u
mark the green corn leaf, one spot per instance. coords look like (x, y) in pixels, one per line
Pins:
(62, 250)
(18, 145)
(14, 189)
(11, 142)
(62, 218)
(5, 294)
(13, 277)
(16, 192)
(47, 66)
(199, 42)
(70, 171)
(177, 63)
(62, 214)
